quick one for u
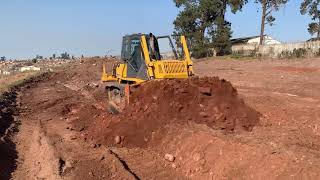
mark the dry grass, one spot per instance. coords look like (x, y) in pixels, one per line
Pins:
(10, 80)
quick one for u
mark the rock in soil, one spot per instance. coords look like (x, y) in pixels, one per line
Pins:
(117, 139)
(169, 157)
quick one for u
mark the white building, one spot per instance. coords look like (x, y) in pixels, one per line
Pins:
(268, 40)
(29, 68)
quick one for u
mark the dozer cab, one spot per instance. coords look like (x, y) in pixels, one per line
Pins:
(142, 61)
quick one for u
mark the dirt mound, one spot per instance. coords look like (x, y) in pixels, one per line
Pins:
(155, 104)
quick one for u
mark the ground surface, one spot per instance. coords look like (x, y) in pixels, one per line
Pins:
(9, 80)
(56, 116)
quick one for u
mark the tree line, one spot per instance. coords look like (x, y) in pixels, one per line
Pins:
(205, 25)
(64, 55)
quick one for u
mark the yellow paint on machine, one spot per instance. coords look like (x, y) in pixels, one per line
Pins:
(156, 69)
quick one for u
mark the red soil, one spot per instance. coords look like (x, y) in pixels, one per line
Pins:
(155, 104)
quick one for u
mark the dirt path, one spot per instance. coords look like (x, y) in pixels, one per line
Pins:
(48, 149)
(52, 142)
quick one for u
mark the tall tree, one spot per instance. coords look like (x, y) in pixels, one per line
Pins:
(221, 38)
(38, 57)
(312, 8)
(222, 33)
(235, 5)
(203, 22)
(268, 7)
(194, 20)
(65, 55)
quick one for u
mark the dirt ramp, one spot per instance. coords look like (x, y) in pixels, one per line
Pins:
(153, 105)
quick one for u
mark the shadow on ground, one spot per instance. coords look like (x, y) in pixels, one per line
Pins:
(8, 110)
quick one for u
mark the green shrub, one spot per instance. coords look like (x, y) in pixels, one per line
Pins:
(299, 53)
(296, 53)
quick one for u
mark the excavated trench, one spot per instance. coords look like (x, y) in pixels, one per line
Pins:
(8, 124)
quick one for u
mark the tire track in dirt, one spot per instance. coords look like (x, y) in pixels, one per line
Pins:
(125, 165)
(36, 153)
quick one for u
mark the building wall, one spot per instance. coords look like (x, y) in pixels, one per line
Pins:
(275, 50)
(29, 68)
(267, 40)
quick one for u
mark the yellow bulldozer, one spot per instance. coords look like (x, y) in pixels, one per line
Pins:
(142, 61)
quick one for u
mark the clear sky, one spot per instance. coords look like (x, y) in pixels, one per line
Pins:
(95, 27)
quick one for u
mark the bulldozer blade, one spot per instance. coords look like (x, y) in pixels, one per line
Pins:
(113, 108)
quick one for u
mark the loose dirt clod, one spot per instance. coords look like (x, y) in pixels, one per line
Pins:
(205, 90)
(174, 166)
(169, 157)
(117, 139)
(197, 157)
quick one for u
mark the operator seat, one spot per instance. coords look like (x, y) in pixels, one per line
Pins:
(154, 47)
